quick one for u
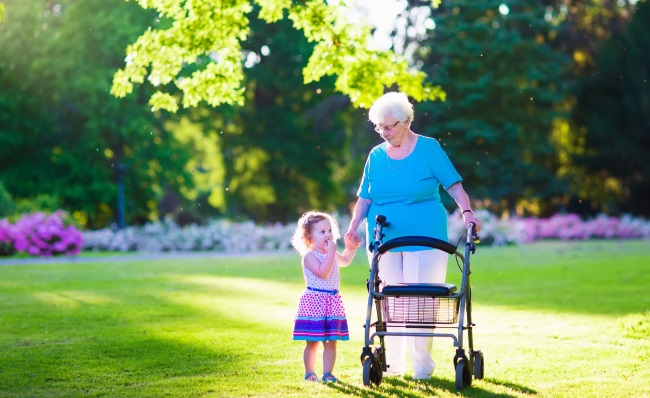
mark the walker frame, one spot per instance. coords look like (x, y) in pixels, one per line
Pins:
(420, 306)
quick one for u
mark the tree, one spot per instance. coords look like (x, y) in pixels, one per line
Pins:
(612, 108)
(286, 149)
(503, 82)
(210, 33)
(61, 132)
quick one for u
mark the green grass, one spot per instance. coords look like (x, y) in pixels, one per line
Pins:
(554, 319)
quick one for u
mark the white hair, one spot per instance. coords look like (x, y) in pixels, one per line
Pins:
(392, 104)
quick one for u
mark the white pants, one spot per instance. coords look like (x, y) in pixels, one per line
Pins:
(425, 266)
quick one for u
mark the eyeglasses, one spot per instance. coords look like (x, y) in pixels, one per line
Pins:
(381, 129)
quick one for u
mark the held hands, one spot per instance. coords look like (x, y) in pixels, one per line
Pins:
(352, 240)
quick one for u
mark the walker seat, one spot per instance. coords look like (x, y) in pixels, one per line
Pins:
(419, 289)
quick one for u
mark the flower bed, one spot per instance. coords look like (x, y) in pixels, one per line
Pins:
(217, 235)
(40, 234)
(561, 226)
(226, 236)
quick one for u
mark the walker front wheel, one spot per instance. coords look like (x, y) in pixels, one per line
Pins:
(371, 372)
(463, 375)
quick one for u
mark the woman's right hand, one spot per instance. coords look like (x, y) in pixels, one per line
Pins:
(352, 239)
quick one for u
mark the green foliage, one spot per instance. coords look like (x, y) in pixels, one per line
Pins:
(212, 32)
(14, 209)
(6, 202)
(504, 83)
(613, 108)
(40, 203)
(280, 149)
(60, 129)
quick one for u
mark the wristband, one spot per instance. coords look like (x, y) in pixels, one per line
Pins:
(465, 211)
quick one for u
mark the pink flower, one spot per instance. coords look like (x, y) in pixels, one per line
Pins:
(42, 235)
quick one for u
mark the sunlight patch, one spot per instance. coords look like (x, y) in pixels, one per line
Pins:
(636, 326)
(236, 285)
(86, 297)
(56, 300)
(72, 299)
(239, 297)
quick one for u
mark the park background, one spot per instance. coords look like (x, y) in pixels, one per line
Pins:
(109, 147)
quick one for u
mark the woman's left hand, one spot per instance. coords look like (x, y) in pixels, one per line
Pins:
(470, 218)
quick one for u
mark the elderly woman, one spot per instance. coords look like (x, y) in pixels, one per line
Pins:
(401, 180)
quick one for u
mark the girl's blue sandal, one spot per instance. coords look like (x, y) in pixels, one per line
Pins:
(308, 376)
(329, 378)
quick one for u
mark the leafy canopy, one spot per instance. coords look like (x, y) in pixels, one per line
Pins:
(503, 82)
(199, 51)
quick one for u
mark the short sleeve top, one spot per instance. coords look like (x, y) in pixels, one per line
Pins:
(407, 191)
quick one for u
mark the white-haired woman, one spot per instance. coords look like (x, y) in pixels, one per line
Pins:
(401, 181)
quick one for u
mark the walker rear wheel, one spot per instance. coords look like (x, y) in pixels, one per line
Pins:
(478, 365)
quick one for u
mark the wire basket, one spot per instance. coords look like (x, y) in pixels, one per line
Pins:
(420, 310)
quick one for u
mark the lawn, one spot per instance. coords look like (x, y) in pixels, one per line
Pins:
(554, 319)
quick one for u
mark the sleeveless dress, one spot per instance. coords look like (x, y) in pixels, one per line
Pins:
(321, 315)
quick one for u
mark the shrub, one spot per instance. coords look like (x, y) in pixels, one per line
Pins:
(6, 202)
(6, 243)
(40, 234)
(43, 203)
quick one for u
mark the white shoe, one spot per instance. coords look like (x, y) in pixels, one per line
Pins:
(391, 373)
(424, 376)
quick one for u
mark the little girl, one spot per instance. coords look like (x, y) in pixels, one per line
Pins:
(321, 316)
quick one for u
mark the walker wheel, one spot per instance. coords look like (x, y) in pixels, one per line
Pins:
(371, 372)
(478, 365)
(463, 375)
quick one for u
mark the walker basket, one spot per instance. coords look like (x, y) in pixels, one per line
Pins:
(420, 310)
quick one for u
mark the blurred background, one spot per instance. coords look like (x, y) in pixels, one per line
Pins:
(546, 113)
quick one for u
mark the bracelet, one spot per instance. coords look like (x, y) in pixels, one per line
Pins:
(465, 211)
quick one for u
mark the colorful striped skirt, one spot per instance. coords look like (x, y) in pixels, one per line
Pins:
(320, 317)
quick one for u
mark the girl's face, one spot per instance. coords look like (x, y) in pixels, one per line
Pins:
(321, 233)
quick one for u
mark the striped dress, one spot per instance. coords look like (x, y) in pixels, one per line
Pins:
(321, 315)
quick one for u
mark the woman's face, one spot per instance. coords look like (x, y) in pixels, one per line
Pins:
(392, 130)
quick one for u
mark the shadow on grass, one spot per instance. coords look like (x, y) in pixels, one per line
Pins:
(407, 387)
(128, 334)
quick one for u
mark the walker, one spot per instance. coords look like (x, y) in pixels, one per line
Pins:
(417, 306)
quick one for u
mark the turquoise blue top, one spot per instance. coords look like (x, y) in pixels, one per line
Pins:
(407, 191)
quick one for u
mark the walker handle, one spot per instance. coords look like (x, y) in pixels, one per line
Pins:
(471, 233)
(417, 241)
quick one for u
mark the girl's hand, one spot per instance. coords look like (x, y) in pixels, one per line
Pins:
(330, 246)
(352, 237)
(352, 242)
